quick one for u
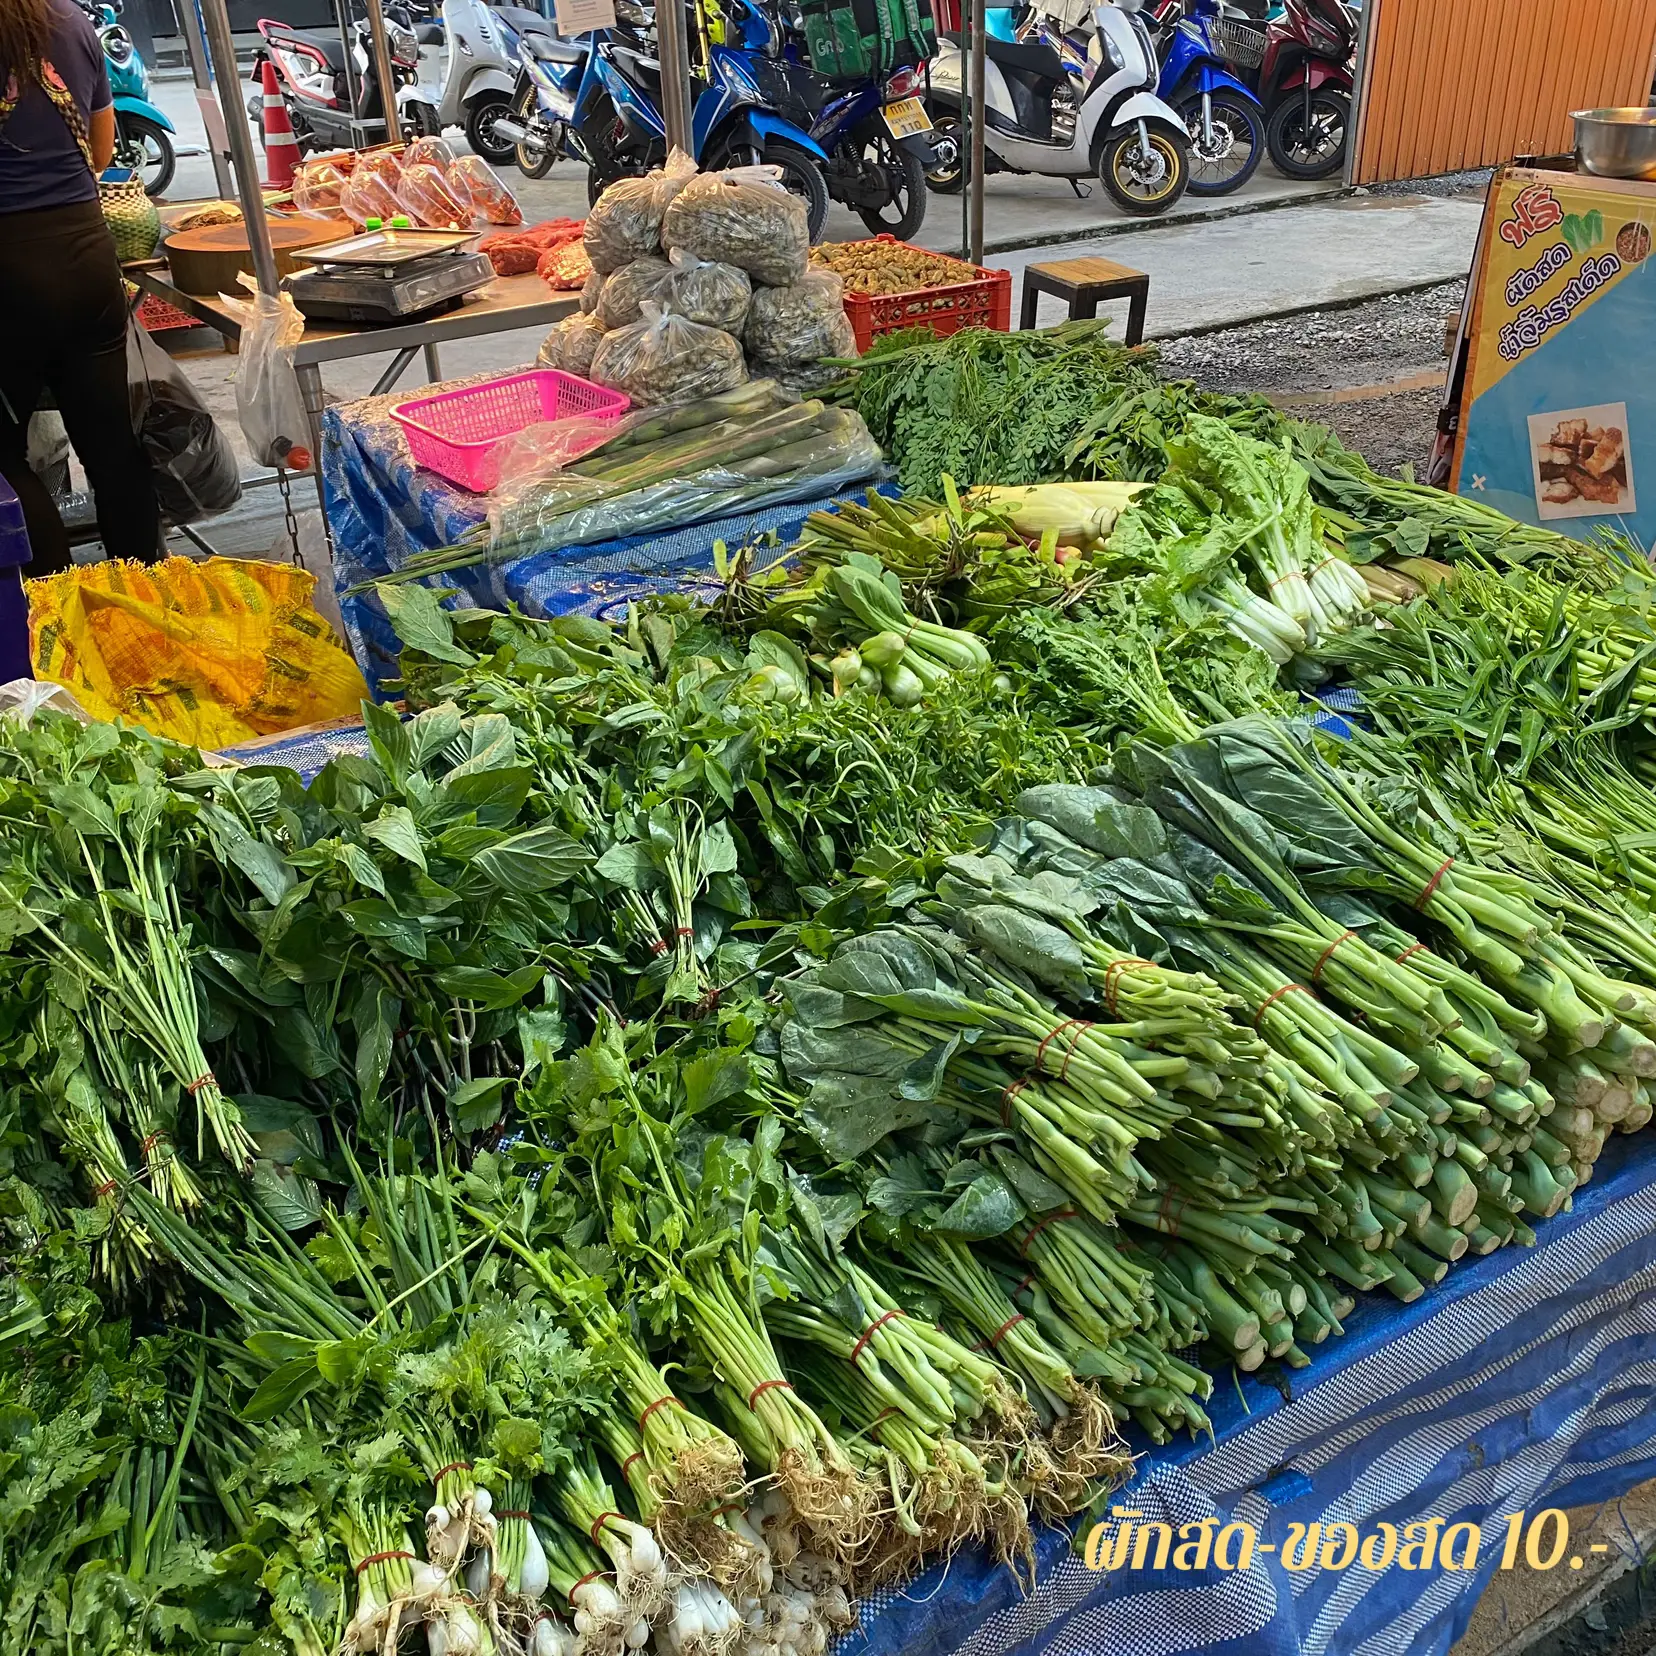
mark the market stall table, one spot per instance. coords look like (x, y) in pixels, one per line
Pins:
(507, 303)
(1526, 1380)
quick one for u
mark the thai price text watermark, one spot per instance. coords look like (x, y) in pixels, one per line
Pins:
(1130, 1540)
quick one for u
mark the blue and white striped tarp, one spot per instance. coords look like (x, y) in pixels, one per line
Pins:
(1526, 1380)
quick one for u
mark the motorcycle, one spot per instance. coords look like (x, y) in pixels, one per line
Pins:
(1226, 121)
(1299, 64)
(1305, 82)
(1134, 142)
(332, 96)
(732, 124)
(559, 96)
(143, 133)
(875, 133)
(473, 68)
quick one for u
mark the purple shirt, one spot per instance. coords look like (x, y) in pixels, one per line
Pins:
(40, 163)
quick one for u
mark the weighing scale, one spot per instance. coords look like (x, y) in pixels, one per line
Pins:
(389, 275)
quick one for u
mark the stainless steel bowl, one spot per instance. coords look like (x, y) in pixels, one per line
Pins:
(1616, 143)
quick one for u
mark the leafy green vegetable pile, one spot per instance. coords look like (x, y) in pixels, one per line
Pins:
(647, 1154)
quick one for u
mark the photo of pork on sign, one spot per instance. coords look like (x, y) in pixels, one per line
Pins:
(1581, 460)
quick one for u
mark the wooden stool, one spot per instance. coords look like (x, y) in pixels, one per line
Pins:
(1082, 283)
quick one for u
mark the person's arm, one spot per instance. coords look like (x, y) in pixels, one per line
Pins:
(101, 131)
(100, 114)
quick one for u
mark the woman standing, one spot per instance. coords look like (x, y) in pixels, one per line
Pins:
(62, 305)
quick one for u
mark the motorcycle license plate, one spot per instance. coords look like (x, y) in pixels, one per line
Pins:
(906, 119)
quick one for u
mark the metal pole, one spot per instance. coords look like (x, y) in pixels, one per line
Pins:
(201, 72)
(979, 72)
(223, 50)
(382, 68)
(965, 154)
(673, 48)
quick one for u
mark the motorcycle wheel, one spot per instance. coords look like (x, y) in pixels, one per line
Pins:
(147, 149)
(801, 176)
(907, 202)
(1237, 148)
(1314, 148)
(1134, 185)
(531, 163)
(480, 132)
(947, 173)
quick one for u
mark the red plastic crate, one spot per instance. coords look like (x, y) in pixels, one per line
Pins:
(157, 316)
(983, 302)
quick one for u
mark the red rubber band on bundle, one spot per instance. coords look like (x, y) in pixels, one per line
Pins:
(1273, 585)
(149, 1142)
(1113, 974)
(598, 1524)
(637, 1454)
(1008, 1095)
(1432, 884)
(1035, 1230)
(659, 947)
(1027, 1281)
(453, 1466)
(103, 1190)
(592, 1575)
(1413, 948)
(685, 931)
(1069, 1023)
(380, 1558)
(869, 1333)
(669, 1398)
(1171, 1213)
(885, 1414)
(729, 1506)
(508, 1512)
(1322, 959)
(207, 1080)
(1004, 1329)
(765, 1386)
(1286, 989)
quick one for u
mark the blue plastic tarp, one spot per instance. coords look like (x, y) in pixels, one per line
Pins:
(1526, 1380)
(382, 509)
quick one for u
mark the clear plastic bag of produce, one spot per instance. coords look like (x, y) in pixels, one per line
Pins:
(317, 187)
(802, 323)
(627, 288)
(542, 450)
(571, 344)
(368, 195)
(431, 150)
(812, 451)
(744, 218)
(474, 181)
(428, 200)
(716, 295)
(665, 358)
(593, 290)
(625, 221)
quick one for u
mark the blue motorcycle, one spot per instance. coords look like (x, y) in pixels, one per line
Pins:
(1225, 119)
(876, 134)
(143, 134)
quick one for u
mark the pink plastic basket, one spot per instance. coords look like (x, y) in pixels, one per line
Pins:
(457, 433)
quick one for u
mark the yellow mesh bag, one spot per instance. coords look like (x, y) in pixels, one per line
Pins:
(209, 653)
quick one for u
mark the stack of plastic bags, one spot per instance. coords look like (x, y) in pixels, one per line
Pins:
(696, 279)
(424, 183)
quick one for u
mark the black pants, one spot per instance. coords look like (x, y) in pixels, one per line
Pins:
(63, 329)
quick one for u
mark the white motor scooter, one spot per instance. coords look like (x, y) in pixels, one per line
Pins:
(468, 68)
(1133, 141)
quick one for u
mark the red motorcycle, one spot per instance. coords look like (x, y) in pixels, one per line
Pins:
(1300, 65)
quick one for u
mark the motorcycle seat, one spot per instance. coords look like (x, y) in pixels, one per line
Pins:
(325, 41)
(430, 34)
(646, 70)
(1037, 59)
(549, 49)
(525, 20)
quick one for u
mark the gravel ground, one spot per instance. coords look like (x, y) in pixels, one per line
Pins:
(1473, 183)
(1354, 350)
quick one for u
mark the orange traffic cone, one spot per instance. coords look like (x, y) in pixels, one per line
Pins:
(280, 146)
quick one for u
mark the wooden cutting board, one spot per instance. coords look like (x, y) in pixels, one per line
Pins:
(208, 261)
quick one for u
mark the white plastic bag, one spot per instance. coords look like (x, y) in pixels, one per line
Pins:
(268, 400)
